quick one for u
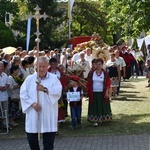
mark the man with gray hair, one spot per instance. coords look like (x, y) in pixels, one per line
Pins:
(76, 57)
(41, 116)
(83, 65)
(88, 56)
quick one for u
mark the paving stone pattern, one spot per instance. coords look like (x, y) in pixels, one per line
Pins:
(116, 142)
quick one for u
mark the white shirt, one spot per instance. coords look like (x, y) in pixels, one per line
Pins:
(133, 53)
(48, 115)
(98, 82)
(104, 65)
(25, 72)
(121, 62)
(57, 73)
(85, 66)
(89, 59)
(13, 93)
(31, 70)
(3, 81)
(63, 60)
(75, 90)
(76, 57)
(110, 63)
(138, 54)
(69, 64)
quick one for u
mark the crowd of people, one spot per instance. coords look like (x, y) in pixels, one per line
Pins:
(62, 73)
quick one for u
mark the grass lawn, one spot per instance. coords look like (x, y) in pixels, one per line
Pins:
(131, 115)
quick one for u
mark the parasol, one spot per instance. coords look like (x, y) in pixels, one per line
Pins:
(9, 50)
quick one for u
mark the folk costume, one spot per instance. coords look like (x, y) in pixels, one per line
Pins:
(125, 55)
(76, 106)
(99, 107)
(62, 103)
(63, 78)
(113, 72)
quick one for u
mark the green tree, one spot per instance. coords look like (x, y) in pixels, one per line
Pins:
(7, 6)
(88, 18)
(127, 17)
(50, 37)
(7, 37)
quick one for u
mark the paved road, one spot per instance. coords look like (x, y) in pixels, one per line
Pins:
(118, 142)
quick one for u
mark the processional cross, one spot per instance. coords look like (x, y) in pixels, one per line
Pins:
(38, 16)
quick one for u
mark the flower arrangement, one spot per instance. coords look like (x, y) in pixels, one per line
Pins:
(96, 37)
(95, 42)
(19, 79)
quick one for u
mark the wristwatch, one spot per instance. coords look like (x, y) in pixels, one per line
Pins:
(45, 89)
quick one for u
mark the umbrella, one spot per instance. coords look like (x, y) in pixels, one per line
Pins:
(9, 50)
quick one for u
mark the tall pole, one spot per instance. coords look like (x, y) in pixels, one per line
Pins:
(38, 16)
(69, 24)
(70, 5)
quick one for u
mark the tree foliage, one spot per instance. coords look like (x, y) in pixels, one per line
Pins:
(7, 37)
(129, 17)
(112, 19)
(88, 18)
(7, 6)
(49, 28)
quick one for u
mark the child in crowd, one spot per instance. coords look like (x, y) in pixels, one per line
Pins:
(76, 104)
(113, 68)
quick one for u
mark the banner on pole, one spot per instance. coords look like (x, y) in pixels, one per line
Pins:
(28, 33)
(70, 6)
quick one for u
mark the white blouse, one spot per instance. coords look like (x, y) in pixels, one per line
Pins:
(98, 81)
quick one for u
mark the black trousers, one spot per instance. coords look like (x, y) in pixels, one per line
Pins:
(141, 67)
(48, 141)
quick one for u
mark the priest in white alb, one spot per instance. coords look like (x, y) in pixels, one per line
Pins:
(49, 90)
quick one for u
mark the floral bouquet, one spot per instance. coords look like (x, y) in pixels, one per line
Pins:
(19, 79)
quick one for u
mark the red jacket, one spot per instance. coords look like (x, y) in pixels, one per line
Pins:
(107, 83)
(126, 58)
(64, 79)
